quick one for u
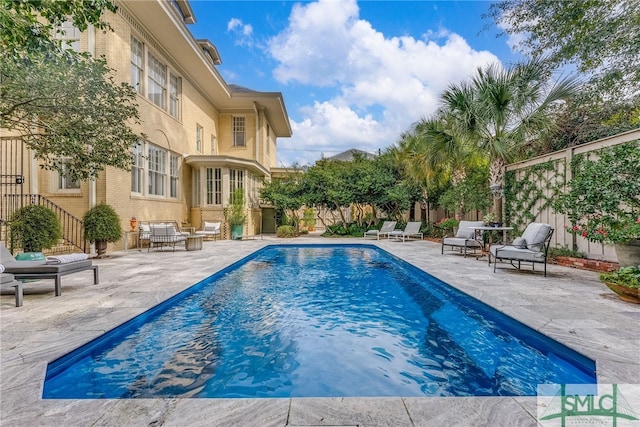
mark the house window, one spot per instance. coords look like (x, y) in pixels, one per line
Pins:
(137, 168)
(239, 132)
(174, 95)
(137, 64)
(157, 82)
(199, 133)
(173, 175)
(214, 186)
(157, 170)
(69, 35)
(64, 180)
(218, 186)
(236, 180)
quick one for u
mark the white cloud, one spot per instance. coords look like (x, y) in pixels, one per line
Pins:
(244, 32)
(383, 84)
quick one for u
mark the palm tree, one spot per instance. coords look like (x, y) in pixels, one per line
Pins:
(501, 110)
(433, 154)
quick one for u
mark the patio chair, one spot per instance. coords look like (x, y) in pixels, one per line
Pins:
(410, 231)
(165, 234)
(532, 247)
(466, 238)
(210, 229)
(387, 227)
(46, 269)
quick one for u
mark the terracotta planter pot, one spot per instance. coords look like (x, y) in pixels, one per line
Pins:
(625, 294)
(628, 253)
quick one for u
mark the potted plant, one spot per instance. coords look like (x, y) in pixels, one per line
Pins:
(625, 282)
(603, 202)
(234, 213)
(101, 225)
(33, 228)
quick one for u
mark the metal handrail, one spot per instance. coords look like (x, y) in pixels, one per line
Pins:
(72, 227)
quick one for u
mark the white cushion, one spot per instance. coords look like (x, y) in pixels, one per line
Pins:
(517, 254)
(465, 229)
(456, 241)
(534, 235)
(520, 242)
(211, 226)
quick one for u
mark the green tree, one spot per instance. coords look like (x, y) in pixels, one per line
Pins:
(66, 104)
(500, 111)
(69, 109)
(28, 25)
(598, 36)
(469, 194)
(284, 194)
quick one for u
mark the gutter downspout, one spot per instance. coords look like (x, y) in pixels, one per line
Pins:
(255, 109)
(91, 41)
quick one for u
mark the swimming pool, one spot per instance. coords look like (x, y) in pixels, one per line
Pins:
(317, 321)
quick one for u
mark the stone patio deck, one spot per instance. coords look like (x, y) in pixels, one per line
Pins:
(569, 305)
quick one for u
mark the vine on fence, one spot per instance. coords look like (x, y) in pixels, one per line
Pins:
(525, 193)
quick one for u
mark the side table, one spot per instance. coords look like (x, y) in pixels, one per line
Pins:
(194, 243)
(136, 239)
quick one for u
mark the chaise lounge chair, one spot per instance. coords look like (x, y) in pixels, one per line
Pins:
(44, 269)
(7, 280)
(411, 230)
(466, 238)
(387, 227)
(532, 247)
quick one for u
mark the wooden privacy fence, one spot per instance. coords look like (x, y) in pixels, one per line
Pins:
(532, 186)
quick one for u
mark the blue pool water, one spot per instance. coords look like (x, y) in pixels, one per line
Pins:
(317, 321)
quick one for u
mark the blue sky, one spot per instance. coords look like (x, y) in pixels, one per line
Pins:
(354, 74)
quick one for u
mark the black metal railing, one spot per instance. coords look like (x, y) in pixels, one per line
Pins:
(72, 227)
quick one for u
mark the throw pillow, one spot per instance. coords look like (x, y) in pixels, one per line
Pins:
(520, 243)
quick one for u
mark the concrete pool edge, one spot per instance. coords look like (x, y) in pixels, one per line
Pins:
(47, 327)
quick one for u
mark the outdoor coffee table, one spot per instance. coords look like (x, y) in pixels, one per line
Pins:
(194, 243)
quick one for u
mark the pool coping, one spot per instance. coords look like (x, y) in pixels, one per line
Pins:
(570, 306)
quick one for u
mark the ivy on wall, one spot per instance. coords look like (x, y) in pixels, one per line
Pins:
(529, 191)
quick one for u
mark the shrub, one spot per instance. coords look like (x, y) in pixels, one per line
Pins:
(286, 231)
(628, 277)
(101, 223)
(564, 251)
(34, 228)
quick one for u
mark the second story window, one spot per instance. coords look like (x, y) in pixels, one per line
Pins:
(157, 82)
(199, 133)
(174, 95)
(239, 138)
(137, 64)
(69, 35)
